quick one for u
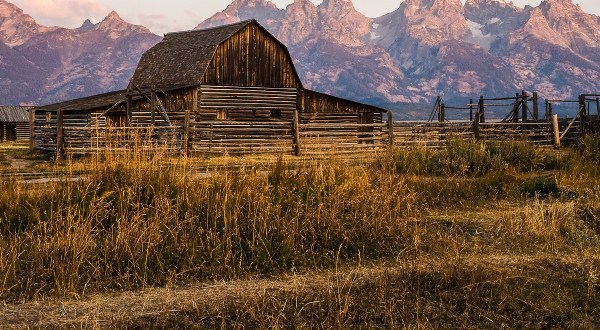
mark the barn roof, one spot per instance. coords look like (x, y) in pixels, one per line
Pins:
(181, 58)
(14, 114)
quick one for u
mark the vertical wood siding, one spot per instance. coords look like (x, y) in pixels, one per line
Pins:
(251, 57)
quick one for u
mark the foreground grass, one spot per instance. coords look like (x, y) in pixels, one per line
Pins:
(474, 234)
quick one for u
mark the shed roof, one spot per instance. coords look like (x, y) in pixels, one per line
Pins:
(182, 58)
(14, 114)
(88, 103)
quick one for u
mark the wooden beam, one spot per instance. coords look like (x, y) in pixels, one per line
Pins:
(536, 107)
(153, 105)
(556, 131)
(582, 113)
(471, 110)
(129, 104)
(186, 133)
(390, 128)
(59, 133)
(524, 108)
(32, 129)
(481, 110)
(296, 134)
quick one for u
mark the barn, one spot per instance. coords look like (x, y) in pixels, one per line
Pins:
(14, 123)
(229, 89)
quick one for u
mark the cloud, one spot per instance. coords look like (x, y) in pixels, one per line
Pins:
(67, 13)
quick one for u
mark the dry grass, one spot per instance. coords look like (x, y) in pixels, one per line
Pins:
(473, 236)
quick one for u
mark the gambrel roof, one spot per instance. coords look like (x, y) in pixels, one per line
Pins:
(182, 58)
(14, 114)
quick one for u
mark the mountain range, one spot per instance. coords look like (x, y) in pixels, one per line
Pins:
(423, 49)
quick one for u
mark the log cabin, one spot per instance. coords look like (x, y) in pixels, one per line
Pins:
(227, 89)
(14, 123)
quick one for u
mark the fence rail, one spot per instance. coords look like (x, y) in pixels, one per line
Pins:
(306, 134)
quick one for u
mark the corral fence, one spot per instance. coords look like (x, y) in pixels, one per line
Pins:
(323, 133)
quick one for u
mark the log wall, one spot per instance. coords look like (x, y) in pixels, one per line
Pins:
(250, 104)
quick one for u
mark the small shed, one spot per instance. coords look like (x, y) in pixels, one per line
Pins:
(232, 88)
(14, 123)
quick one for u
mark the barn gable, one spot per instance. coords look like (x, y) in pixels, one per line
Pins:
(234, 55)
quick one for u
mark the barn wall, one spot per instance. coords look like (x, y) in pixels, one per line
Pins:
(251, 57)
(254, 104)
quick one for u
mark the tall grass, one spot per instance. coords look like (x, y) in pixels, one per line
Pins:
(140, 219)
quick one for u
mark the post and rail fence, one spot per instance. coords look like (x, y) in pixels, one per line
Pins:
(322, 133)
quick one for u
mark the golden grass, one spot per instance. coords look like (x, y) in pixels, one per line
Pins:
(465, 237)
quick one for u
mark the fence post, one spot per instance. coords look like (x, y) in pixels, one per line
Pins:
(59, 133)
(556, 131)
(186, 133)
(32, 129)
(390, 128)
(548, 111)
(524, 109)
(536, 107)
(471, 110)
(129, 105)
(515, 110)
(582, 114)
(481, 110)
(442, 112)
(296, 134)
(598, 107)
(476, 124)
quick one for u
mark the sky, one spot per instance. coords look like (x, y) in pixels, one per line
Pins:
(162, 16)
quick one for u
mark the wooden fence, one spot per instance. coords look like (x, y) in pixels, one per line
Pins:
(306, 134)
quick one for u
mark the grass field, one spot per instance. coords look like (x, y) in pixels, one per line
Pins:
(496, 235)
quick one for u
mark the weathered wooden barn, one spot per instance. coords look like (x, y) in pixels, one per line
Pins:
(14, 123)
(230, 89)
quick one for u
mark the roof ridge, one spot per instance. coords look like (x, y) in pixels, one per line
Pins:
(243, 23)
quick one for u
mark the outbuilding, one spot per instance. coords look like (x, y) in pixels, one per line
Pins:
(14, 123)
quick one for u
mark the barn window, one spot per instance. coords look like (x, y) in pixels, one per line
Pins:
(276, 113)
(222, 115)
(116, 119)
(48, 119)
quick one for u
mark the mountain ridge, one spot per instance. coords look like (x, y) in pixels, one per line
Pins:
(422, 49)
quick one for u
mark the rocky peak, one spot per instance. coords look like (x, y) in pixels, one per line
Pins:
(340, 21)
(299, 23)
(431, 21)
(263, 11)
(537, 26)
(15, 26)
(489, 20)
(571, 22)
(484, 11)
(116, 27)
(86, 26)
(337, 7)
